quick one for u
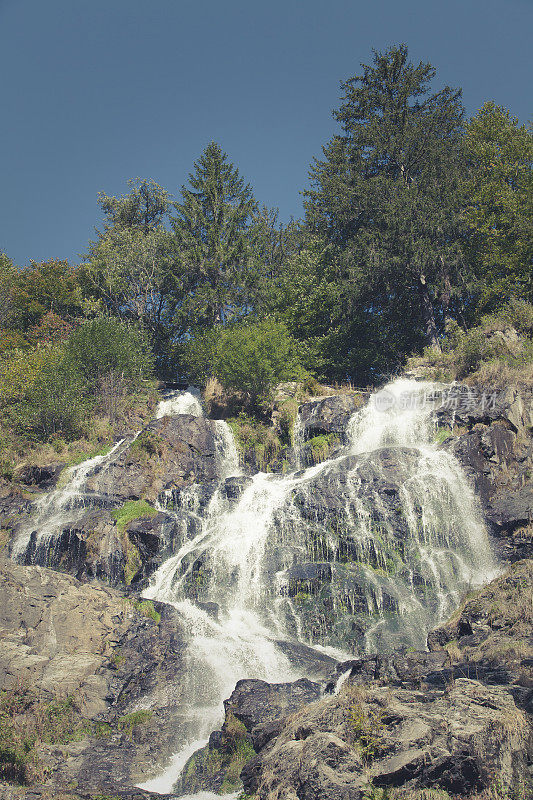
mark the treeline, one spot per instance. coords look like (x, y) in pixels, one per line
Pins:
(417, 221)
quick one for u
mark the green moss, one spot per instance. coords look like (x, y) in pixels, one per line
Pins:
(132, 509)
(147, 608)
(129, 721)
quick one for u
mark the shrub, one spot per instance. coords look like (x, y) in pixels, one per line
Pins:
(108, 351)
(249, 357)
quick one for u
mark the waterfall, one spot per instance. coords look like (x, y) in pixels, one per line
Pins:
(181, 402)
(58, 509)
(364, 552)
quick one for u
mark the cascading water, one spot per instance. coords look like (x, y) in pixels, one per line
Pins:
(366, 551)
(57, 509)
(181, 402)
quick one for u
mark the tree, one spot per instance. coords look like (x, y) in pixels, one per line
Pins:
(386, 196)
(499, 191)
(43, 287)
(213, 227)
(132, 267)
(7, 279)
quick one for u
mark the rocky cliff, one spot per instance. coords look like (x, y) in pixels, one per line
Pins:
(457, 718)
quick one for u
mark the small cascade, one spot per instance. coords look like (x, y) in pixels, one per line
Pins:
(181, 402)
(59, 508)
(364, 552)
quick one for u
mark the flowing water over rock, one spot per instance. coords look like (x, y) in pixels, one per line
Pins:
(178, 402)
(367, 551)
(61, 507)
(275, 575)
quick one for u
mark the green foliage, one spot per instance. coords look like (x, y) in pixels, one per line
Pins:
(386, 198)
(213, 227)
(132, 509)
(44, 287)
(499, 191)
(129, 721)
(105, 347)
(248, 357)
(146, 607)
(364, 725)
(487, 353)
(258, 442)
(322, 445)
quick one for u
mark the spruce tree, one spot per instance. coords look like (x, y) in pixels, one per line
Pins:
(387, 197)
(214, 233)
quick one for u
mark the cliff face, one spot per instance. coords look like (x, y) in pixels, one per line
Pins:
(491, 435)
(85, 654)
(457, 718)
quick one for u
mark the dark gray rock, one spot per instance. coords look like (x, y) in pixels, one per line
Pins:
(256, 702)
(171, 452)
(490, 434)
(329, 414)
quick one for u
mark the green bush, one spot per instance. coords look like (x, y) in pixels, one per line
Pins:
(107, 347)
(248, 357)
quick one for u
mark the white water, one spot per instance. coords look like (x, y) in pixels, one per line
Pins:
(232, 577)
(181, 402)
(239, 562)
(57, 508)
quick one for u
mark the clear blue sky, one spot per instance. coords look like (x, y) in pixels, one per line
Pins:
(98, 91)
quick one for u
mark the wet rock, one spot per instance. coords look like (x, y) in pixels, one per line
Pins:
(171, 452)
(234, 487)
(490, 434)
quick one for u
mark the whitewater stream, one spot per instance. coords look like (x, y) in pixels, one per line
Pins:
(243, 580)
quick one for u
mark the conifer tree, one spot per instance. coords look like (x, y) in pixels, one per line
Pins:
(387, 195)
(214, 233)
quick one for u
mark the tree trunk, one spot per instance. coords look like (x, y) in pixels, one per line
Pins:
(428, 315)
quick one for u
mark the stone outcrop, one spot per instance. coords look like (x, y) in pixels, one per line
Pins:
(456, 719)
(491, 435)
(110, 655)
(171, 452)
(330, 414)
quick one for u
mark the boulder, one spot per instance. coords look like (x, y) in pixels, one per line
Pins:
(329, 414)
(171, 452)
